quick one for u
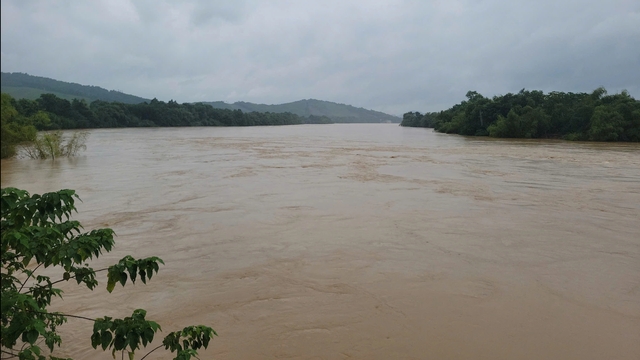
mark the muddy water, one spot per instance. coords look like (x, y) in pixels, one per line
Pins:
(363, 241)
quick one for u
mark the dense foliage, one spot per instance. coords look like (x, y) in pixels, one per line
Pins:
(533, 114)
(37, 234)
(415, 119)
(16, 128)
(77, 114)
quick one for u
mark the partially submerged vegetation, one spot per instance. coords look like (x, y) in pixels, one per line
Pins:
(53, 144)
(533, 114)
(21, 131)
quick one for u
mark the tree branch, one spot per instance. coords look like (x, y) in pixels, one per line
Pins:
(28, 277)
(61, 280)
(65, 315)
(11, 354)
(156, 348)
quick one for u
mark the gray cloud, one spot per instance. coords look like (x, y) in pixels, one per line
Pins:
(387, 55)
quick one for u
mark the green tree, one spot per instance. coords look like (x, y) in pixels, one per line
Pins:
(411, 119)
(37, 233)
(606, 124)
(534, 122)
(507, 127)
(15, 129)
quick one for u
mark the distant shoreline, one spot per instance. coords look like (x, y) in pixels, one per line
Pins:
(535, 115)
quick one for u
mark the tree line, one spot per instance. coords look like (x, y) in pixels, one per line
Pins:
(22, 118)
(77, 114)
(592, 116)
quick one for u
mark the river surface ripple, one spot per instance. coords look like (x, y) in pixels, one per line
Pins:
(362, 241)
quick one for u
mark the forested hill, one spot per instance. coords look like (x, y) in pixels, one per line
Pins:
(339, 113)
(592, 116)
(25, 86)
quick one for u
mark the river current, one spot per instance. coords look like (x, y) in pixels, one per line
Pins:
(364, 241)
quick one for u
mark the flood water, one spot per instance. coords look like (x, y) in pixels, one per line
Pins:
(362, 241)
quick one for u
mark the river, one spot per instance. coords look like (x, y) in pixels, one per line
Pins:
(364, 241)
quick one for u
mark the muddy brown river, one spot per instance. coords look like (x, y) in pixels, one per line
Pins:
(362, 241)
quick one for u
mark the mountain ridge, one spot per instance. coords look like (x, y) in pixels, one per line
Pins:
(22, 85)
(312, 107)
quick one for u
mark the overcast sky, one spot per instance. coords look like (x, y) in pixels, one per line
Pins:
(392, 56)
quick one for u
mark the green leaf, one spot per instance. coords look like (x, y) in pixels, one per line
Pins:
(36, 350)
(105, 338)
(147, 336)
(111, 284)
(27, 259)
(95, 340)
(123, 278)
(32, 336)
(120, 342)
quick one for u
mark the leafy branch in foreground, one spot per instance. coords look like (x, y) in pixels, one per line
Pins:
(37, 233)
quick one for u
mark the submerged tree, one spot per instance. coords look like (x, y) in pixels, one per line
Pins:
(37, 233)
(54, 144)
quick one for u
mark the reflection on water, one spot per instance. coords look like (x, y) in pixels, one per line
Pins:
(364, 241)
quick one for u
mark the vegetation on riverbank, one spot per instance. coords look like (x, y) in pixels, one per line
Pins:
(21, 119)
(533, 114)
(15, 129)
(78, 114)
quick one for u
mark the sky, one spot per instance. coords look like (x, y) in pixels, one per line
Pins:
(388, 55)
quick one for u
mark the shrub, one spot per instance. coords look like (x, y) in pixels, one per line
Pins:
(37, 233)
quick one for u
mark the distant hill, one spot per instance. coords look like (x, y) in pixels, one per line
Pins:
(340, 113)
(25, 86)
